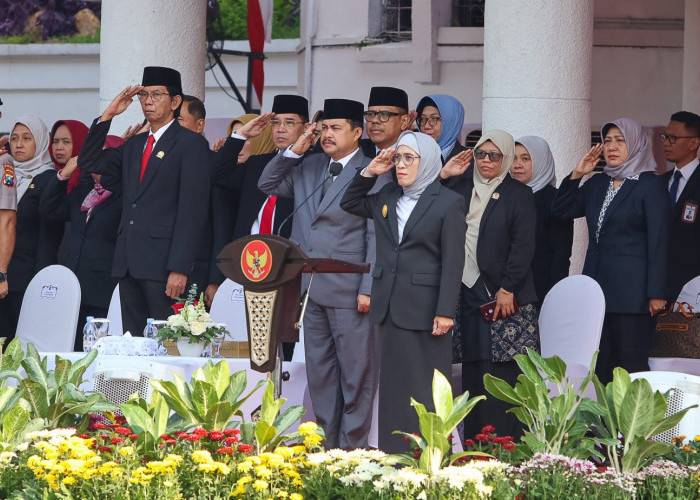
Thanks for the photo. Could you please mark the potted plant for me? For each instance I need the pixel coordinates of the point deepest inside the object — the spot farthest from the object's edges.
(191, 327)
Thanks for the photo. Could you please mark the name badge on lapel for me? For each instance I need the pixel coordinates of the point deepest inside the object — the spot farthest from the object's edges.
(160, 154)
(496, 195)
(690, 212)
(385, 211)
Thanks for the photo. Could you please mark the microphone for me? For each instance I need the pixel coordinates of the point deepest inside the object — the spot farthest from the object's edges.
(333, 171)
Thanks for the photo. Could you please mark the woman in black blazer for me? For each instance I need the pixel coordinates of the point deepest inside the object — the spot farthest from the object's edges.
(626, 210)
(37, 238)
(419, 227)
(94, 213)
(534, 166)
(500, 244)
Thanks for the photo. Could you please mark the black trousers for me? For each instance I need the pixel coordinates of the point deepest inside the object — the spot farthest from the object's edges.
(9, 315)
(140, 300)
(625, 342)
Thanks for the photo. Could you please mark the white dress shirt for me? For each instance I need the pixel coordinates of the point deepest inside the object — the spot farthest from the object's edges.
(686, 172)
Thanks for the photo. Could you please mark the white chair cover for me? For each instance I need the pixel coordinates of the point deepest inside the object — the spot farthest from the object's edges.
(114, 314)
(571, 321)
(228, 307)
(685, 392)
(49, 315)
(691, 294)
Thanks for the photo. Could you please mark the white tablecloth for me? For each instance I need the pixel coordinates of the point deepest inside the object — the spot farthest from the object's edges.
(295, 390)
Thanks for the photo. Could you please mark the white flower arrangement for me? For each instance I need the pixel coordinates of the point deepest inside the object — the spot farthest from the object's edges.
(191, 321)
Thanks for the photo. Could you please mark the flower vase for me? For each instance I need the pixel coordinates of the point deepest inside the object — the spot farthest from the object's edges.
(189, 350)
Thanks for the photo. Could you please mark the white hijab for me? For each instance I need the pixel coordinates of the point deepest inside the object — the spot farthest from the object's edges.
(481, 195)
(543, 171)
(25, 171)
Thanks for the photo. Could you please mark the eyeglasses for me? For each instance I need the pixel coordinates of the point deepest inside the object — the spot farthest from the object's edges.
(493, 155)
(155, 96)
(406, 158)
(673, 138)
(432, 120)
(383, 115)
(276, 122)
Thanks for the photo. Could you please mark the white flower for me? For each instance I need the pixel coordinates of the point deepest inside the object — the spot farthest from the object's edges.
(6, 457)
(197, 328)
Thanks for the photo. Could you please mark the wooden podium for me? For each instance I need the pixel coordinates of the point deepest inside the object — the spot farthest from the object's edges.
(269, 268)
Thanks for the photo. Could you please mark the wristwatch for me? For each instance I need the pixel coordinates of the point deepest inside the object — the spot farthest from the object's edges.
(3, 276)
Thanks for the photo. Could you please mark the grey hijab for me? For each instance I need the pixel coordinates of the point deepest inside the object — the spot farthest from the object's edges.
(543, 173)
(25, 171)
(430, 162)
(640, 157)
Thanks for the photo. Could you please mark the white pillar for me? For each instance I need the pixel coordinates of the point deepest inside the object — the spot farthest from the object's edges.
(537, 78)
(691, 57)
(138, 33)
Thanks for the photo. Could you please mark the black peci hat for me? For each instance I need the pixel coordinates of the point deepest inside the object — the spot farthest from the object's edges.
(160, 75)
(343, 108)
(388, 96)
(289, 103)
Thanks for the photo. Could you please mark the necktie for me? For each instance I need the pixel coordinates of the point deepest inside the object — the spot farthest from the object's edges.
(329, 180)
(673, 192)
(146, 155)
(267, 213)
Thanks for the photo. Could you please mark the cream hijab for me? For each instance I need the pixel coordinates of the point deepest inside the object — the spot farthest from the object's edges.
(25, 171)
(481, 194)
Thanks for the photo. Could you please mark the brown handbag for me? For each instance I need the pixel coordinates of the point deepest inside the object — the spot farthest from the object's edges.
(677, 333)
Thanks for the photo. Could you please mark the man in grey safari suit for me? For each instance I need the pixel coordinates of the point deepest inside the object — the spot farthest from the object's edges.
(341, 345)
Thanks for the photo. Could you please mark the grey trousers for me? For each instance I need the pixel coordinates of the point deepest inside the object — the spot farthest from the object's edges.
(342, 367)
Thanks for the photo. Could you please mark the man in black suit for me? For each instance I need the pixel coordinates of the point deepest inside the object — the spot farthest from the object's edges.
(387, 116)
(166, 195)
(681, 142)
(258, 212)
(223, 204)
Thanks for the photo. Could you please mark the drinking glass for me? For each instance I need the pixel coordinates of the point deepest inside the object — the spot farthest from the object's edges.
(101, 326)
(217, 342)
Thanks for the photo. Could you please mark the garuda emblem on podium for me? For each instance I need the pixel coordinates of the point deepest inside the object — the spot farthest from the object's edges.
(256, 260)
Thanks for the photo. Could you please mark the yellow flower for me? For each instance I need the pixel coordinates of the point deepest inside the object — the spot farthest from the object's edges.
(307, 428)
(296, 496)
(678, 439)
(68, 480)
(126, 451)
(240, 489)
(244, 467)
(697, 438)
(201, 457)
(312, 440)
(260, 485)
(686, 448)
(282, 494)
(168, 484)
(263, 472)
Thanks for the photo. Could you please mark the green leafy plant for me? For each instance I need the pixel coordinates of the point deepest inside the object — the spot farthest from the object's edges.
(53, 395)
(268, 433)
(553, 424)
(210, 400)
(632, 409)
(150, 420)
(436, 427)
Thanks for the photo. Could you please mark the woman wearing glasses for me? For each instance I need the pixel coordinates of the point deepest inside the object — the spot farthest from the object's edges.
(441, 117)
(419, 226)
(627, 211)
(500, 245)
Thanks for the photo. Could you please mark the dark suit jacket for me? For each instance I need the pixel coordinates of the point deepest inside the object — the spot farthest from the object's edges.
(37, 238)
(418, 278)
(91, 242)
(165, 213)
(506, 243)
(243, 179)
(684, 236)
(456, 149)
(553, 240)
(629, 259)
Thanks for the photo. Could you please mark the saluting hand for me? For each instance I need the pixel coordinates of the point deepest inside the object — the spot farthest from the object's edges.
(457, 165)
(381, 163)
(135, 129)
(305, 140)
(218, 144)
(121, 102)
(256, 126)
(588, 162)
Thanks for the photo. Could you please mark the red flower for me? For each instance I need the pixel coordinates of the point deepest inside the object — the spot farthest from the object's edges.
(165, 437)
(104, 436)
(105, 449)
(161, 445)
(488, 429)
(244, 448)
(226, 450)
(416, 456)
(231, 440)
(216, 435)
(120, 419)
(100, 425)
(509, 446)
(232, 432)
(469, 442)
(134, 437)
(171, 441)
(200, 432)
(117, 440)
(481, 437)
(83, 436)
(193, 437)
(177, 307)
(123, 430)
(182, 435)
